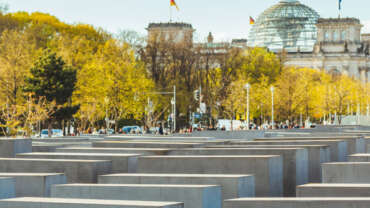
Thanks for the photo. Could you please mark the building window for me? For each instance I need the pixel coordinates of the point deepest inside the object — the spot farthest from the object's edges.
(335, 36)
(344, 35)
(326, 36)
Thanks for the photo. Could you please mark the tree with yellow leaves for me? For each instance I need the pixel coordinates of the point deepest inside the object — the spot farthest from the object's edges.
(113, 85)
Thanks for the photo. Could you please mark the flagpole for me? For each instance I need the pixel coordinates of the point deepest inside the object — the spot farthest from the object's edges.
(339, 8)
(170, 13)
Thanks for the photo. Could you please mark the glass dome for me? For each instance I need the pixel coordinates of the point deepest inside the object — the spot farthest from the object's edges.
(287, 25)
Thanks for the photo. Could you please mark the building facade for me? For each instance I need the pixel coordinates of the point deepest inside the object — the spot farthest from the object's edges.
(340, 48)
(334, 44)
(171, 31)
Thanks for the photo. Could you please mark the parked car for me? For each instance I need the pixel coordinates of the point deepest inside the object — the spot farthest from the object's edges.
(54, 133)
(103, 131)
(132, 130)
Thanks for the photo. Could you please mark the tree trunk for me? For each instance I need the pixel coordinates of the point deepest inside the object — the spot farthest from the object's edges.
(49, 128)
(63, 127)
(68, 127)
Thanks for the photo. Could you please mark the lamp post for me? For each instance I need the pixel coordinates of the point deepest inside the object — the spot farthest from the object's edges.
(106, 99)
(272, 107)
(247, 87)
(174, 109)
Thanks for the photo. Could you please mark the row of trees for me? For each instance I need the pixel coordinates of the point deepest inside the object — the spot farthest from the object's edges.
(52, 73)
(301, 93)
(55, 74)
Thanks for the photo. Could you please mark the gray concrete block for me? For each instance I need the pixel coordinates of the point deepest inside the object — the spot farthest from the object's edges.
(52, 146)
(317, 154)
(333, 190)
(141, 151)
(233, 186)
(338, 148)
(349, 172)
(35, 184)
(156, 137)
(295, 161)
(30, 202)
(359, 158)
(45, 147)
(297, 203)
(77, 171)
(7, 188)
(62, 140)
(172, 140)
(356, 144)
(121, 163)
(137, 144)
(201, 196)
(267, 169)
(9, 147)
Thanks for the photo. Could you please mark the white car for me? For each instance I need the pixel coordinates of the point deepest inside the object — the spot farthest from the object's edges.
(54, 133)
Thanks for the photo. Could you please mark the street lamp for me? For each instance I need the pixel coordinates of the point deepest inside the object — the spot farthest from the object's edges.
(272, 106)
(106, 99)
(248, 86)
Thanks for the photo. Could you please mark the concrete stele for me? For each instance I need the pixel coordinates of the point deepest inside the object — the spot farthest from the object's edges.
(121, 163)
(267, 169)
(7, 187)
(233, 186)
(35, 184)
(295, 165)
(31, 202)
(77, 171)
(201, 196)
(349, 172)
(333, 190)
(297, 202)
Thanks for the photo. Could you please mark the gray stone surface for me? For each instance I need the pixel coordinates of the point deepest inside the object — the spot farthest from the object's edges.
(31, 202)
(62, 140)
(356, 144)
(35, 184)
(350, 172)
(298, 203)
(52, 146)
(267, 169)
(7, 187)
(121, 163)
(45, 147)
(295, 161)
(338, 148)
(138, 144)
(317, 154)
(77, 171)
(334, 190)
(233, 186)
(156, 137)
(229, 134)
(141, 151)
(9, 147)
(173, 140)
(201, 196)
(359, 158)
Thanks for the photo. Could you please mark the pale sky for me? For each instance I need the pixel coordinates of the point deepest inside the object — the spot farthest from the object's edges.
(226, 19)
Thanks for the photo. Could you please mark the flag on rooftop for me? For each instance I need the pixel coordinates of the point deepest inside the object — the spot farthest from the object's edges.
(173, 3)
(251, 21)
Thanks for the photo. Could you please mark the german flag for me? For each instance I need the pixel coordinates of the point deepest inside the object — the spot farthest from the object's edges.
(173, 3)
(251, 21)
